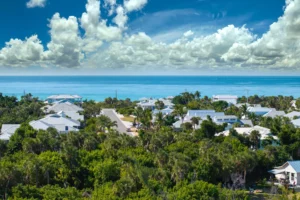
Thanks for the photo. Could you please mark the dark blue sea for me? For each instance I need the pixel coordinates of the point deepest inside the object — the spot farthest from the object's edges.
(136, 87)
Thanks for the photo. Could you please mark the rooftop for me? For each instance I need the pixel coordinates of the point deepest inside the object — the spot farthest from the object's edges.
(225, 96)
(64, 96)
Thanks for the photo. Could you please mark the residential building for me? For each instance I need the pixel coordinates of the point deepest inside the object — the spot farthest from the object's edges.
(166, 111)
(274, 113)
(7, 130)
(260, 111)
(296, 123)
(293, 115)
(230, 99)
(59, 121)
(69, 109)
(64, 97)
(289, 171)
(150, 103)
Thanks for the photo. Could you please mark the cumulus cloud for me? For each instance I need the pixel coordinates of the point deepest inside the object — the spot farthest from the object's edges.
(36, 3)
(133, 5)
(93, 39)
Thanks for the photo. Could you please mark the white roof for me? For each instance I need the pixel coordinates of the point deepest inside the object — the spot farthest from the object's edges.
(226, 117)
(64, 96)
(296, 122)
(73, 115)
(225, 96)
(58, 121)
(151, 102)
(274, 113)
(260, 109)
(293, 114)
(264, 132)
(8, 130)
(63, 106)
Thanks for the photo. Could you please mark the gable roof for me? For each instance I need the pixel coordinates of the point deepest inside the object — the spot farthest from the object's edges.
(274, 113)
(296, 122)
(63, 106)
(293, 114)
(64, 96)
(296, 165)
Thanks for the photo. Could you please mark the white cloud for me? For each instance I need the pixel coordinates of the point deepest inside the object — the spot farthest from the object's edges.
(92, 39)
(121, 18)
(133, 5)
(188, 33)
(20, 53)
(36, 3)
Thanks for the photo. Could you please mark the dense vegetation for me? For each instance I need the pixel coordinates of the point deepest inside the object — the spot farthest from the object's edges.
(159, 164)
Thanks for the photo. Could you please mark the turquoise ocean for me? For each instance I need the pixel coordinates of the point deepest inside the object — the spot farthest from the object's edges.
(135, 87)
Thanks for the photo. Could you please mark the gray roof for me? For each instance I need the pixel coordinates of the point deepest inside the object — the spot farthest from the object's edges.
(203, 113)
(63, 106)
(247, 122)
(296, 122)
(8, 130)
(296, 165)
(274, 113)
(225, 96)
(166, 111)
(293, 114)
(57, 121)
(259, 109)
(64, 96)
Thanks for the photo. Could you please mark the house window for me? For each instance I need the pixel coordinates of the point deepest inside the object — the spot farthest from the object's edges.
(292, 176)
(288, 175)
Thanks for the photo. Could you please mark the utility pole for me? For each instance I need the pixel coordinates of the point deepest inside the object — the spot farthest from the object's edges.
(247, 95)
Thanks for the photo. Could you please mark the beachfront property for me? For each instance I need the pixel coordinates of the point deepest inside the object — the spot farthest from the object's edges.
(265, 133)
(293, 115)
(149, 103)
(7, 130)
(64, 97)
(289, 173)
(59, 121)
(230, 99)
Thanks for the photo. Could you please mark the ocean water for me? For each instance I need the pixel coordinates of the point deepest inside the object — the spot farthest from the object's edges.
(135, 87)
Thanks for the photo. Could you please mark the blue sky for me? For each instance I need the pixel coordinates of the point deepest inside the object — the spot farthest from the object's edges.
(153, 35)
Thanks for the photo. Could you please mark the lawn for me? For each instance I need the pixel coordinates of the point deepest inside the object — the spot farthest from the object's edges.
(128, 119)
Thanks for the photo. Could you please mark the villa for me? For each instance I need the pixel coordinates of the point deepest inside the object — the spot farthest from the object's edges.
(166, 111)
(59, 121)
(289, 171)
(64, 97)
(227, 98)
(150, 103)
(8, 130)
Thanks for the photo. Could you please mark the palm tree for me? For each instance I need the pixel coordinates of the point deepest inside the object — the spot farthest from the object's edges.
(197, 94)
(244, 109)
(195, 121)
(159, 120)
(180, 111)
(255, 138)
(103, 122)
(138, 112)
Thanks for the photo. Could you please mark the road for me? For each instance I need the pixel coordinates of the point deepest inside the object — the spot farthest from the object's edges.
(113, 116)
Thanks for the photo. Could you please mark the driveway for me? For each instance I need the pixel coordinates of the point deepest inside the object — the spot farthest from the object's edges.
(114, 117)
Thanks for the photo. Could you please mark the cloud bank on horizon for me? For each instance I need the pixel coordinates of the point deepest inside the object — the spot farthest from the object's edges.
(90, 41)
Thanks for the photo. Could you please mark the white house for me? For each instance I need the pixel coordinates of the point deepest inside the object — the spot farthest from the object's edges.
(59, 121)
(230, 99)
(69, 109)
(8, 130)
(289, 171)
(64, 97)
(166, 111)
(245, 131)
(150, 103)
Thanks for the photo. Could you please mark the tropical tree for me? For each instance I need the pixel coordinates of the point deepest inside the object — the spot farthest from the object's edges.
(180, 111)
(159, 120)
(159, 105)
(195, 121)
(255, 138)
